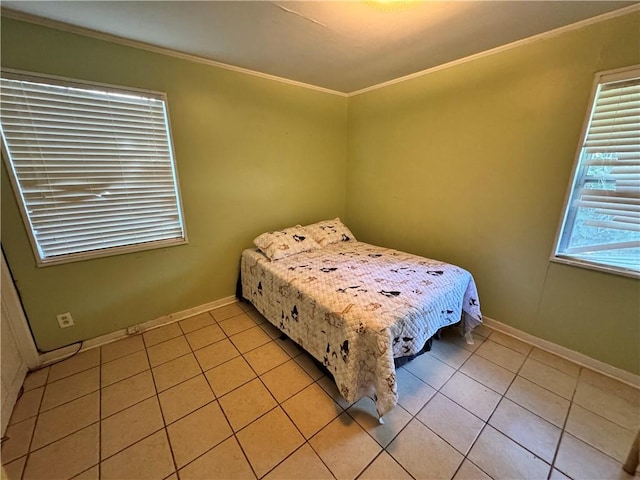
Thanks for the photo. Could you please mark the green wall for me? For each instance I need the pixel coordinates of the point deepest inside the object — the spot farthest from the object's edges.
(252, 155)
(470, 165)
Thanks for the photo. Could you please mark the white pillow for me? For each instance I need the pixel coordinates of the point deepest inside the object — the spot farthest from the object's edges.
(284, 243)
(329, 232)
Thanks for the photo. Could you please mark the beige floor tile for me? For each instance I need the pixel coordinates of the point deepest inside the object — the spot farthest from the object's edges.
(35, 379)
(303, 464)
(77, 363)
(270, 330)
(430, 370)
(18, 436)
(66, 457)
(579, 460)
(257, 316)
(329, 386)
(488, 373)
(410, 450)
(237, 324)
(501, 457)
(511, 342)
(269, 440)
(196, 322)
(345, 447)
(452, 422)
(166, 351)
(198, 432)
(228, 311)
(224, 462)
(501, 355)
(135, 462)
(556, 362)
(173, 476)
(91, 474)
(289, 346)
(364, 412)
(250, 339)
(549, 378)
(127, 427)
(246, 403)
(311, 410)
(216, 354)
(27, 405)
(483, 331)
(453, 335)
(307, 362)
(529, 430)
(620, 410)
(474, 396)
(175, 371)
(205, 336)
(557, 475)
(161, 334)
(184, 398)
(266, 357)
(384, 467)
(229, 375)
(449, 353)
(610, 385)
(59, 422)
(13, 470)
(286, 380)
(469, 471)
(124, 367)
(122, 348)
(70, 388)
(599, 432)
(540, 401)
(413, 393)
(125, 393)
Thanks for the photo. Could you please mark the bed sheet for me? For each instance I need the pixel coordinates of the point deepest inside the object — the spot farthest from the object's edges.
(356, 306)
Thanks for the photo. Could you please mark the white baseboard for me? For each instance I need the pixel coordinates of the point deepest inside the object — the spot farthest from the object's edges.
(65, 352)
(566, 353)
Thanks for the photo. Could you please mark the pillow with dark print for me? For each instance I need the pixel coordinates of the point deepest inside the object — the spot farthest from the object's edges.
(329, 232)
(284, 243)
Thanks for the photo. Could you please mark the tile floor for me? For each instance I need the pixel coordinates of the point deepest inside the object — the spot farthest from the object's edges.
(220, 395)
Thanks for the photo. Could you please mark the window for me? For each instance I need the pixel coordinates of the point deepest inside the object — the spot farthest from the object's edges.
(601, 224)
(91, 165)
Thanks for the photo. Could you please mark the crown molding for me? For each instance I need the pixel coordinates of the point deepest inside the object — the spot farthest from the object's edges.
(503, 48)
(87, 32)
(25, 17)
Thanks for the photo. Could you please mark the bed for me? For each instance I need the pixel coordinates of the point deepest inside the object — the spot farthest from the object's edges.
(354, 306)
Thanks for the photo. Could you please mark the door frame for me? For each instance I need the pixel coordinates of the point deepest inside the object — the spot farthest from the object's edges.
(12, 308)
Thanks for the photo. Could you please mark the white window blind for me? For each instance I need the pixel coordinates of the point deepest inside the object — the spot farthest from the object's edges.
(92, 166)
(602, 217)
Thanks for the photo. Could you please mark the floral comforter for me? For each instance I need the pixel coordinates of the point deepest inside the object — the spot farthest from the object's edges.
(356, 306)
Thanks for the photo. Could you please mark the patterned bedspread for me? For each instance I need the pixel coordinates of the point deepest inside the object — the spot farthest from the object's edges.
(355, 307)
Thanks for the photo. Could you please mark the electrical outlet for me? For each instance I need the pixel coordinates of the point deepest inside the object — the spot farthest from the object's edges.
(65, 320)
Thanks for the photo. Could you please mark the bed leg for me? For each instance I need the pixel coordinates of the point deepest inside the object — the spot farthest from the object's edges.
(380, 421)
(469, 338)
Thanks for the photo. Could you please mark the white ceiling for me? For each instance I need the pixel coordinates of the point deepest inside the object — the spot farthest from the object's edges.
(342, 46)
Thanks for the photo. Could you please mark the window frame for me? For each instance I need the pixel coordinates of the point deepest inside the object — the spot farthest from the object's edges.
(603, 77)
(94, 253)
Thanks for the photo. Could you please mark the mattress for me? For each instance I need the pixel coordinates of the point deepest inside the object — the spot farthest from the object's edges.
(355, 306)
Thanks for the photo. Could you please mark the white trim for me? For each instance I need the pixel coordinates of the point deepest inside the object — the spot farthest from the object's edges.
(502, 48)
(17, 320)
(87, 32)
(26, 17)
(566, 353)
(65, 352)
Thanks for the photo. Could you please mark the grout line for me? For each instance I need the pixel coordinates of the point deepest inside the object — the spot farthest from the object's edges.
(315, 381)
